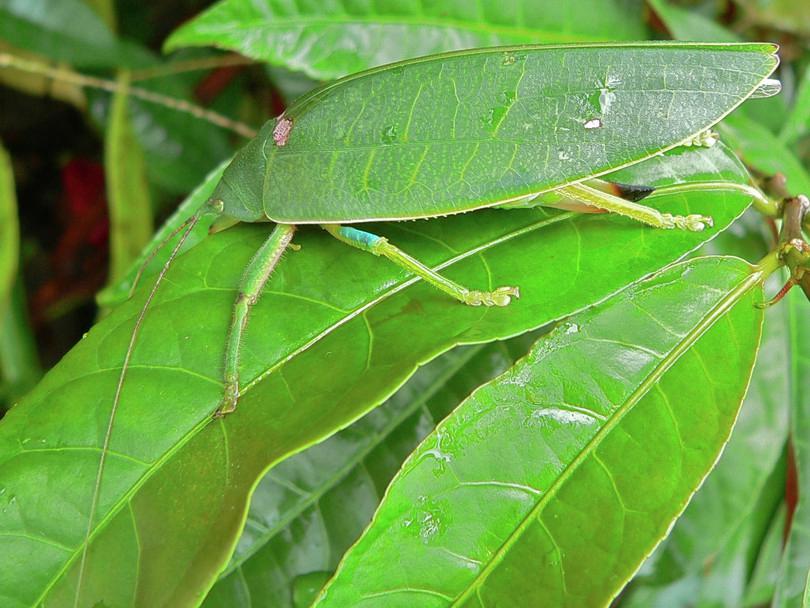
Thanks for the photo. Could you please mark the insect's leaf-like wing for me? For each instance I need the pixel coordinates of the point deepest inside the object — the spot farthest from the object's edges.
(451, 133)
(304, 38)
(335, 332)
(555, 480)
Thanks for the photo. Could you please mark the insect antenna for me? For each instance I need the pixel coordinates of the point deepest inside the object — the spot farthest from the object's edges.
(148, 259)
(189, 226)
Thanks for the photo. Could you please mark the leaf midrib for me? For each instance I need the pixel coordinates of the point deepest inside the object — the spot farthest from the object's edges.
(707, 322)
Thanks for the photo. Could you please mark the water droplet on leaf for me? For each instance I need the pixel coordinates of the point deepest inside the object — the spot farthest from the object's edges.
(593, 123)
(768, 88)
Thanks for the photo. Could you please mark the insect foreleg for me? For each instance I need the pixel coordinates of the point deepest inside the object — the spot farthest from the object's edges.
(640, 213)
(256, 275)
(377, 245)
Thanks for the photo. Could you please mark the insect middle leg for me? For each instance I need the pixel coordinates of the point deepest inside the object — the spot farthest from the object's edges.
(256, 275)
(378, 245)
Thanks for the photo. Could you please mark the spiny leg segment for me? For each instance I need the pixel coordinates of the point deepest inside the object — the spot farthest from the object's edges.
(366, 241)
(256, 275)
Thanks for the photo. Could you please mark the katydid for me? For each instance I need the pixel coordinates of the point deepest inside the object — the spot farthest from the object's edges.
(458, 132)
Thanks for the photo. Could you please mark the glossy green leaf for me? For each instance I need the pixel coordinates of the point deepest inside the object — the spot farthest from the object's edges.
(707, 540)
(309, 509)
(796, 559)
(686, 24)
(551, 484)
(451, 133)
(127, 189)
(9, 231)
(318, 354)
(66, 30)
(337, 37)
(763, 151)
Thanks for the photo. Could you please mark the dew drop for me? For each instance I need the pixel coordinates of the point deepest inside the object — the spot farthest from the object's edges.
(768, 88)
(389, 134)
(509, 58)
(593, 123)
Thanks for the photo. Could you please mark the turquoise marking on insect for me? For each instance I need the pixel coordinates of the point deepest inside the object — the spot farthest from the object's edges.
(364, 239)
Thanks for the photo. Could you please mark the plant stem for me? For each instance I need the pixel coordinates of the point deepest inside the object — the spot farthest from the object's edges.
(65, 75)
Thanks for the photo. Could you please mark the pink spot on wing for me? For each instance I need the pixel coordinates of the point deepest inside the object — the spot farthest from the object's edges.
(282, 131)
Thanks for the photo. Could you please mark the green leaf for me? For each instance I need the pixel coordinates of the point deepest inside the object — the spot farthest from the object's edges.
(764, 577)
(176, 484)
(797, 122)
(9, 231)
(127, 189)
(685, 24)
(763, 151)
(451, 133)
(724, 576)
(120, 290)
(320, 39)
(20, 368)
(796, 558)
(558, 478)
(179, 148)
(724, 511)
(66, 30)
(309, 509)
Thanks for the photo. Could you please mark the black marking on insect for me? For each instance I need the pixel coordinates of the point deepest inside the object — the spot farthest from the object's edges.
(282, 131)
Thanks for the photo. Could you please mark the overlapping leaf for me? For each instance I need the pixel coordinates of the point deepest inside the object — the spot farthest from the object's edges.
(710, 546)
(550, 484)
(335, 332)
(308, 510)
(331, 39)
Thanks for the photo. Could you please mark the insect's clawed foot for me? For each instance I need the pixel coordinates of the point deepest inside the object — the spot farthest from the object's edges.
(229, 400)
(501, 296)
(693, 223)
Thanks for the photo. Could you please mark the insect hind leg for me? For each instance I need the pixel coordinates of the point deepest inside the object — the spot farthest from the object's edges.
(377, 245)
